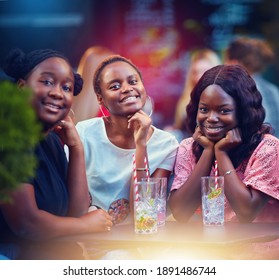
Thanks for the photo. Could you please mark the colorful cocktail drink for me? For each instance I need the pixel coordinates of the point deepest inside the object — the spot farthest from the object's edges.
(161, 201)
(212, 189)
(145, 211)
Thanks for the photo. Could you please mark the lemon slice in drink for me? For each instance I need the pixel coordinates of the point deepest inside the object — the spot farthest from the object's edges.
(214, 193)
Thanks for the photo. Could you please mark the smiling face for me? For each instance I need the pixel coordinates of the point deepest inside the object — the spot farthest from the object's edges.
(123, 92)
(216, 113)
(52, 84)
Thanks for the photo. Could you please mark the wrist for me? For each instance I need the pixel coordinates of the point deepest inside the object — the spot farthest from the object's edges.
(76, 147)
(229, 172)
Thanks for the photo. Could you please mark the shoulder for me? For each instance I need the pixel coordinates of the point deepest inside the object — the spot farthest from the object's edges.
(270, 140)
(268, 146)
(185, 146)
(83, 126)
(53, 140)
(163, 136)
(187, 142)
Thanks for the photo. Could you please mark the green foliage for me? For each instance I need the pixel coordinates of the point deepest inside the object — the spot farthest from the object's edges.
(19, 133)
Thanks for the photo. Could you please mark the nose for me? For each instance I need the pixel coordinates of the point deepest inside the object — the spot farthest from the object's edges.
(212, 116)
(56, 92)
(126, 88)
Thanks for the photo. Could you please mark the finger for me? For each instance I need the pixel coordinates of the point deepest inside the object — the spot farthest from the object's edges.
(109, 226)
(62, 123)
(109, 218)
(59, 125)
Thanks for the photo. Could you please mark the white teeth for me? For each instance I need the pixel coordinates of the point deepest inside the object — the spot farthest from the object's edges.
(129, 98)
(214, 128)
(53, 106)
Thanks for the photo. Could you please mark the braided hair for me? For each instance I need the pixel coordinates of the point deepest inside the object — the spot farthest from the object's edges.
(18, 65)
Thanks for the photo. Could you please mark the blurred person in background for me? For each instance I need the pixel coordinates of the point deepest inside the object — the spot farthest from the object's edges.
(200, 61)
(85, 105)
(255, 55)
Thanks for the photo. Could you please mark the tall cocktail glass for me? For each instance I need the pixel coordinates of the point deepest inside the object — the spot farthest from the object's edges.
(161, 201)
(145, 211)
(212, 190)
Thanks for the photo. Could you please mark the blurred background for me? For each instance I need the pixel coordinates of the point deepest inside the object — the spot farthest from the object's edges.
(157, 35)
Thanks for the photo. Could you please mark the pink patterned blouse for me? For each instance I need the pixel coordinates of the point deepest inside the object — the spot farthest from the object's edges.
(260, 172)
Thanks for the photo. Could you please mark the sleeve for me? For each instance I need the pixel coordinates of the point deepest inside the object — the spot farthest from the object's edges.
(171, 151)
(262, 171)
(184, 165)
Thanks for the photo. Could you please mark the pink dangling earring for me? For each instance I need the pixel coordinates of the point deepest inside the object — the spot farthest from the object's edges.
(103, 114)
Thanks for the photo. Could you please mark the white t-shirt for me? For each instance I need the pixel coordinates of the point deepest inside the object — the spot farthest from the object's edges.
(109, 168)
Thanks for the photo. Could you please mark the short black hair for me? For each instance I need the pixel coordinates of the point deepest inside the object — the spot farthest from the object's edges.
(108, 60)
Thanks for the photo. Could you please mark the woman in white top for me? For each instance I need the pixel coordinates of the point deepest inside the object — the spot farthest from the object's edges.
(110, 142)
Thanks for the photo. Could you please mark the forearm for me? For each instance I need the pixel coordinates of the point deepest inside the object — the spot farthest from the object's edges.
(245, 201)
(184, 201)
(41, 225)
(77, 182)
(85, 105)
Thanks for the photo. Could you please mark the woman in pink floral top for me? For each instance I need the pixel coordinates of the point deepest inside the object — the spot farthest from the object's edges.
(226, 118)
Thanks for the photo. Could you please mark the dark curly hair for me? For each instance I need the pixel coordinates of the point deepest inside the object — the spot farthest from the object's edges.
(18, 65)
(237, 83)
(109, 60)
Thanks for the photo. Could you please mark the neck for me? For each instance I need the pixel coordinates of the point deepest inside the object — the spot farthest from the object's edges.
(117, 125)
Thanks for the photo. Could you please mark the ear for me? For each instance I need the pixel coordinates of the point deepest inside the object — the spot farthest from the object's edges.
(21, 83)
(100, 99)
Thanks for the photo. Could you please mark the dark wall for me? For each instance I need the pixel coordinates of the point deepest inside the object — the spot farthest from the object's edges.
(156, 34)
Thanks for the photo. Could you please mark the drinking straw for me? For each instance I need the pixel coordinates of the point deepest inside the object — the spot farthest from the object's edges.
(146, 169)
(216, 173)
(135, 179)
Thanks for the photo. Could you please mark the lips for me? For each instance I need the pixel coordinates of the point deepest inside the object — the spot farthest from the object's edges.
(213, 129)
(54, 106)
(128, 99)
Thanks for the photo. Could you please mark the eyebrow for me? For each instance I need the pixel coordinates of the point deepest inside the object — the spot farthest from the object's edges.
(134, 75)
(118, 80)
(68, 79)
(114, 81)
(223, 105)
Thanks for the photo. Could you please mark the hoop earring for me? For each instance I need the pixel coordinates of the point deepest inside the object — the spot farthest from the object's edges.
(72, 111)
(151, 105)
(72, 114)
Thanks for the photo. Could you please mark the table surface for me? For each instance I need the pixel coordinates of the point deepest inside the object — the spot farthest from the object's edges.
(230, 241)
(190, 233)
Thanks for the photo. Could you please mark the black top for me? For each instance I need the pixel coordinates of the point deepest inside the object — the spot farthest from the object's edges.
(50, 184)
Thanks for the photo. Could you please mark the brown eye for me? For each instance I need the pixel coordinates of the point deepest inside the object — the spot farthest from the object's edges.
(47, 82)
(67, 88)
(133, 82)
(114, 87)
